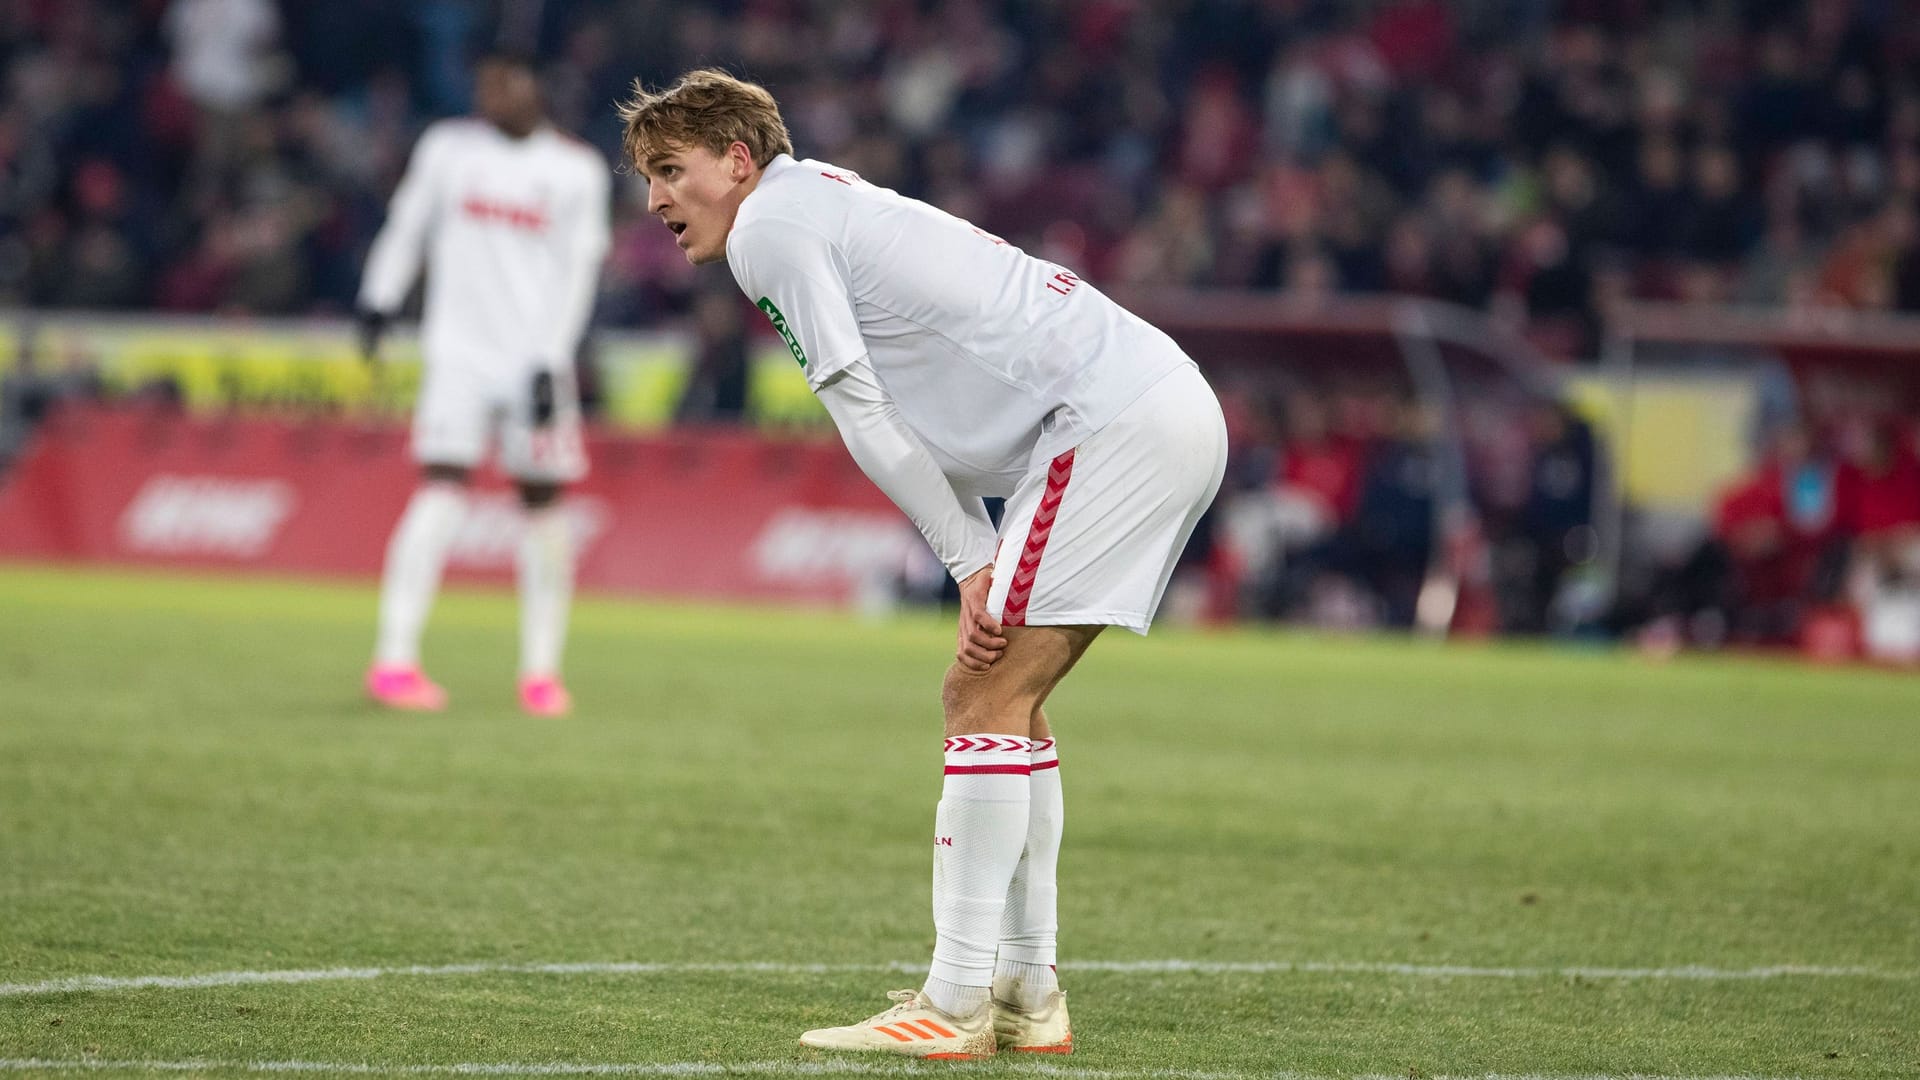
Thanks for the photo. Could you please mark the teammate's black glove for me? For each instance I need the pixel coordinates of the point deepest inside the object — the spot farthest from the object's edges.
(542, 398)
(372, 327)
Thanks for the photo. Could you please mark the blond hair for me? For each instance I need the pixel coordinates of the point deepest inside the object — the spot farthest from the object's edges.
(707, 108)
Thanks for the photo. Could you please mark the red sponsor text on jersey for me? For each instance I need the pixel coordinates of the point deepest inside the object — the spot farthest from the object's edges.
(481, 208)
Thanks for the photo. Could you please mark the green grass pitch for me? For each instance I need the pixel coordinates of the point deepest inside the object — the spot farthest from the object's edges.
(1379, 857)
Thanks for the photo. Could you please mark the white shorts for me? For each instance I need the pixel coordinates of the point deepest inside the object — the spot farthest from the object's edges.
(1091, 537)
(463, 407)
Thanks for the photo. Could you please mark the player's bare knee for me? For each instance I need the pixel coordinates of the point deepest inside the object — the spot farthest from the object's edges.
(985, 701)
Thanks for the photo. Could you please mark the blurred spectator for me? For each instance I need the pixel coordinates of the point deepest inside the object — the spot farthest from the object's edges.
(1556, 522)
(1389, 544)
(1878, 498)
(1775, 526)
(717, 385)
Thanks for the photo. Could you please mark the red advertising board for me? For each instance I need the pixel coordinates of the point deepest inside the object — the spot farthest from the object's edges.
(728, 514)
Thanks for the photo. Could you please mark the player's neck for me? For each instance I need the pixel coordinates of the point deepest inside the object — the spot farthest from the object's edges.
(751, 183)
(519, 129)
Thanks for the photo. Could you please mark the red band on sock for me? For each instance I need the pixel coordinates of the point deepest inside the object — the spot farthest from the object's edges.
(1003, 770)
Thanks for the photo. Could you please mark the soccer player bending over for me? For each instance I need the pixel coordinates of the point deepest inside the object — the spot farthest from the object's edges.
(511, 216)
(956, 366)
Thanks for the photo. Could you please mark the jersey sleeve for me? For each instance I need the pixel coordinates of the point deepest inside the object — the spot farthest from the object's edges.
(796, 276)
(584, 237)
(394, 260)
(885, 447)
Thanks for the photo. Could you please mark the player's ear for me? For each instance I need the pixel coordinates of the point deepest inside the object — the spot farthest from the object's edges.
(739, 161)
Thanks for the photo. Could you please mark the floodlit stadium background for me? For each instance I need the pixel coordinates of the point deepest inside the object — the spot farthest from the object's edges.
(1530, 318)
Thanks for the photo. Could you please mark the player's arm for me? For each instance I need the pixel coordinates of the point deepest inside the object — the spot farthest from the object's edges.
(893, 457)
(957, 528)
(394, 261)
(801, 282)
(584, 237)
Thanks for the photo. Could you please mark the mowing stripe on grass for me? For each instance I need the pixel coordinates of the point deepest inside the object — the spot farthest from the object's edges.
(74, 983)
(757, 1068)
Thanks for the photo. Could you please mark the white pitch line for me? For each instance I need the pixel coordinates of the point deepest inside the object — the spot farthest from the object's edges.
(754, 1068)
(76, 983)
(1448, 971)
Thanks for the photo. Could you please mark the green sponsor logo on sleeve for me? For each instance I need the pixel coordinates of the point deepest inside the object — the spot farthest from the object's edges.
(786, 334)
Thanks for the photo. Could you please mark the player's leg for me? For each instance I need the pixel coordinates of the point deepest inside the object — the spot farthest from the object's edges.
(1097, 544)
(982, 823)
(542, 447)
(1030, 1010)
(409, 581)
(979, 833)
(545, 570)
(449, 436)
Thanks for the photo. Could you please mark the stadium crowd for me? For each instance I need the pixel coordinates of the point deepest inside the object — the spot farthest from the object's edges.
(1534, 158)
(1538, 160)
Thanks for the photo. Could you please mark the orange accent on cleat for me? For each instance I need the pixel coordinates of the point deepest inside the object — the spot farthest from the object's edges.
(938, 1031)
(542, 695)
(404, 687)
(912, 1028)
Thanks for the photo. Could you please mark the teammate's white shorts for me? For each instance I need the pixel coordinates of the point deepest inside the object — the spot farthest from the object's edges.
(464, 407)
(1091, 537)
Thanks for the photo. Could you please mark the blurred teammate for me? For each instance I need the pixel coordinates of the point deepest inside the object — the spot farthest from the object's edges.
(511, 218)
(955, 367)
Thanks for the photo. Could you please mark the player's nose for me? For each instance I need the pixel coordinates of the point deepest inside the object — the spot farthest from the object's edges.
(657, 201)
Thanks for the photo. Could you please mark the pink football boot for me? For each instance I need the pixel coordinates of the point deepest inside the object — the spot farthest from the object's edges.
(406, 687)
(542, 695)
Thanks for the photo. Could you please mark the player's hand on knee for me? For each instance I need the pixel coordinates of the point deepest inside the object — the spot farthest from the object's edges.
(981, 642)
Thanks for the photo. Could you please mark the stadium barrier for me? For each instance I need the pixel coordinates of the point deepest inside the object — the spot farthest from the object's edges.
(1675, 397)
(215, 365)
(725, 514)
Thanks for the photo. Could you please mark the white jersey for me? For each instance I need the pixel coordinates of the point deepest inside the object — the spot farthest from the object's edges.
(988, 353)
(513, 232)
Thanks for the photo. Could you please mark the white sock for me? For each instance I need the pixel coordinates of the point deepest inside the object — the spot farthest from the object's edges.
(953, 998)
(546, 588)
(416, 555)
(979, 832)
(1030, 926)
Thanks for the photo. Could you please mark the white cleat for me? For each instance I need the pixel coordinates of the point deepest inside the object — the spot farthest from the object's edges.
(913, 1028)
(1042, 1031)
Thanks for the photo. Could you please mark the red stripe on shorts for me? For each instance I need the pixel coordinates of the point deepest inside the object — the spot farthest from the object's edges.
(1015, 611)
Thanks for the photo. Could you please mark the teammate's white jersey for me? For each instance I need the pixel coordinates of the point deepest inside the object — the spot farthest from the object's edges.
(513, 231)
(979, 345)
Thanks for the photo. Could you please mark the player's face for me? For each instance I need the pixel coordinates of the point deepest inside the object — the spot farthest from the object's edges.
(507, 95)
(697, 192)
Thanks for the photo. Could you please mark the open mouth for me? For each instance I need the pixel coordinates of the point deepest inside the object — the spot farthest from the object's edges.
(678, 227)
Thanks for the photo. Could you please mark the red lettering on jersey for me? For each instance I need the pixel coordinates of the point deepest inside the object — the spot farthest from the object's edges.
(1067, 282)
(978, 231)
(481, 208)
(842, 179)
(943, 841)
